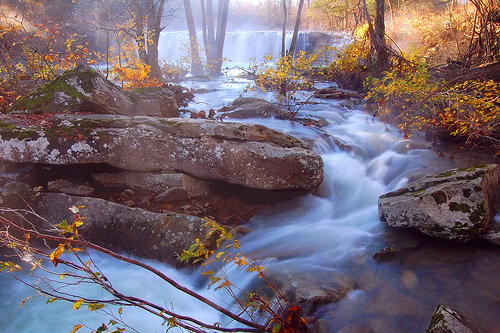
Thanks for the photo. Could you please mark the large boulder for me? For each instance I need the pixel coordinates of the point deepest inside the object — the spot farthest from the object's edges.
(85, 89)
(153, 101)
(160, 236)
(242, 154)
(457, 204)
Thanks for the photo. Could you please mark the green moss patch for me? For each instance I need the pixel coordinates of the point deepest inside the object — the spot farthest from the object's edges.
(458, 207)
(72, 87)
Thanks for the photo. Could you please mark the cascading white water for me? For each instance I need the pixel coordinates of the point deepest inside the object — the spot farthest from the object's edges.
(327, 236)
(239, 46)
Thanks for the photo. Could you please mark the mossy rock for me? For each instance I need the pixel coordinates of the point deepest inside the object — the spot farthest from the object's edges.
(457, 204)
(79, 89)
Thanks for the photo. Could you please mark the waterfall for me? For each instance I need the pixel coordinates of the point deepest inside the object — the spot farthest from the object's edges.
(239, 46)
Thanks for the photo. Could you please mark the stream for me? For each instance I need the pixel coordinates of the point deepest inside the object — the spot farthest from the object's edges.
(326, 238)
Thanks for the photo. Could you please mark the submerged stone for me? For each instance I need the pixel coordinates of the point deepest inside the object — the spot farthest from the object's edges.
(386, 253)
(249, 107)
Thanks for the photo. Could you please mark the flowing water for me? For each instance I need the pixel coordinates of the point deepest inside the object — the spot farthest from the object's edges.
(325, 240)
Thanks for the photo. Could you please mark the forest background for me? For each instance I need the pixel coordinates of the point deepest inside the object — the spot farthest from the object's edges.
(428, 66)
(426, 43)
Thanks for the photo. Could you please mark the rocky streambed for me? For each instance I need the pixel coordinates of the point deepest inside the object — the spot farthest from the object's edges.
(148, 182)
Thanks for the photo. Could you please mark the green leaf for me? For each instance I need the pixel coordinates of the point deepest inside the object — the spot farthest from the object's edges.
(95, 306)
(52, 300)
(11, 267)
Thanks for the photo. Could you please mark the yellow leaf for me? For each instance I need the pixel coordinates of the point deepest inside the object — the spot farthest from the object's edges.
(78, 304)
(223, 285)
(77, 327)
(24, 301)
(210, 272)
(220, 254)
(95, 306)
(36, 265)
(57, 253)
(52, 300)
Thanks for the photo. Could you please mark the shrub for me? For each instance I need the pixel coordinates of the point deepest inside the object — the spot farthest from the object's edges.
(135, 74)
(407, 95)
(349, 65)
(287, 78)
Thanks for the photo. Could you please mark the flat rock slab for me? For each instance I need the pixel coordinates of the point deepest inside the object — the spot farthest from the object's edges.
(457, 204)
(243, 154)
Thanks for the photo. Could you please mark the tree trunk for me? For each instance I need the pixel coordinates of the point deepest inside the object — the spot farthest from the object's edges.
(377, 36)
(208, 33)
(380, 45)
(147, 35)
(221, 29)
(196, 66)
(283, 33)
(221, 36)
(380, 19)
(153, 34)
(204, 23)
(296, 29)
(210, 23)
(140, 32)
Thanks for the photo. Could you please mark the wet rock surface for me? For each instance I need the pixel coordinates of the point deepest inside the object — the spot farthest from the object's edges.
(492, 234)
(446, 320)
(228, 204)
(160, 236)
(386, 253)
(310, 290)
